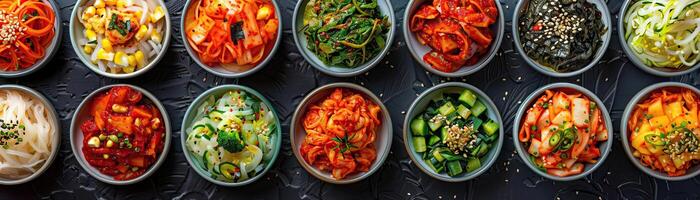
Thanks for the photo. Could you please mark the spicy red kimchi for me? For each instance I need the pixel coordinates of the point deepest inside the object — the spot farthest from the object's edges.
(124, 135)
(457, 31)
(340, 133)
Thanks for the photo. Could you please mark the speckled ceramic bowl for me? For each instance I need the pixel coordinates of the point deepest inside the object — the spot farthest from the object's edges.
(188, 119)
(605, 147)
(382, 141)
(338, 71)
(49, 52)
(606, 18)
(76, 31)
(665, 72)
(56, 134)
(418, 50)
(218, 70)
(639, 97)
(82, 114)
(419, 106)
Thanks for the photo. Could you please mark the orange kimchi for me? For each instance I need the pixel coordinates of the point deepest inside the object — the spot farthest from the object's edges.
(26, 30)
(561, 132)
(663, 130)
(457, 31)
(340, 133)
(236, 35)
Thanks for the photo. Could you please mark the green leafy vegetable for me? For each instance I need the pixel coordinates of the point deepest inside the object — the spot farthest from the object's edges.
(345, 33)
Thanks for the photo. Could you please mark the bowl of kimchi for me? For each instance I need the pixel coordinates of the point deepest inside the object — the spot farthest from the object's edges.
(453, 38)
(660, 131)
(352, 122)
(231, 39)
(563, 132)
(120, 134)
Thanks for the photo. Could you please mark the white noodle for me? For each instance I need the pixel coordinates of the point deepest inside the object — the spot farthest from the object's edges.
(21, 159)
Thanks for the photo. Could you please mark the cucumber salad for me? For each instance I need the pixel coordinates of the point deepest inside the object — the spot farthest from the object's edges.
(454, 133)
(232, 136)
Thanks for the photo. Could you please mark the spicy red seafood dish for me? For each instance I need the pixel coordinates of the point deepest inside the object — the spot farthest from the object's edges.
(124, 136)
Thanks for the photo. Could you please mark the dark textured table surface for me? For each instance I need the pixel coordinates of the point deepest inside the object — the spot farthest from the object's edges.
(176, 81)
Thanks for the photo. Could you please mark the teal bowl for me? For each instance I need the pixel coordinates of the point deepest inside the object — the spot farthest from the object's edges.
(421, 103)
(188, 119)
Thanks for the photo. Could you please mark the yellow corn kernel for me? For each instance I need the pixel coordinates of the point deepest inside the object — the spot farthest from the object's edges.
(110, 143)
(90, 35)
(105, 156)
(120, 58)
(104, 55)
(100, 11)
(140, 59)
(156, 37)
(89, 12)
(99, 4)
(106, 44)
(132, 60)
(111, 2)
(137, 14)
(263, 13)
(142, 32)
(157, 14)
(124, 3)
(88, 49)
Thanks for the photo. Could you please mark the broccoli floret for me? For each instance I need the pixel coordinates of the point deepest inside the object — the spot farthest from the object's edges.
(231, 141)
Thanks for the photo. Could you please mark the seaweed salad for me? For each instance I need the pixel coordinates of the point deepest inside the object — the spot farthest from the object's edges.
(562, 35)
(345, 33)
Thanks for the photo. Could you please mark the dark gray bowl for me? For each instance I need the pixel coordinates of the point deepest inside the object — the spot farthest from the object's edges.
(56, 139)
(605, 147)
(191, 113)
(606, 18)
(76, 31)
(418, 50)
(633, 56)
(641, 96)
(219, 71)
(300, 41)
(419, 105)
(76, 135)
(382, 141)
(50, 50)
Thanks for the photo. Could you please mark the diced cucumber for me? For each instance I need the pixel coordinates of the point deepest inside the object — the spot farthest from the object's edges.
(478, 108)
(438, 156)
(481, 150)
(439, 167)
(454, 168)
(444, 132)
(473, 164)
(476, 122)
(419, 144)
(446, 109)
(434, 139)
(430, 164)
(492, 138)
(463, 111)
(491, 127)
(434, 126)
(227, 169)
(467, 97)
(418, 126)
(450, 156)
